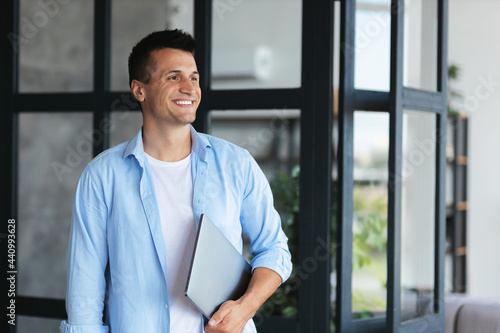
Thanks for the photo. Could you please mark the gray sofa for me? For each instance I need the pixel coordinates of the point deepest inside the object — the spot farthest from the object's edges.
(465, 314)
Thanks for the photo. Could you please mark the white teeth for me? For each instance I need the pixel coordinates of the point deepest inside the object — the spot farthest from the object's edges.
(184, 102)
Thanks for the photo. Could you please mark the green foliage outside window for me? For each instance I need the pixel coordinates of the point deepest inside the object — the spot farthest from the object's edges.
(369, 236)
(454, 97)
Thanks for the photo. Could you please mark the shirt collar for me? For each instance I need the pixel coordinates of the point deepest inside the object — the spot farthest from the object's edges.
(200, 144)
(136, 146)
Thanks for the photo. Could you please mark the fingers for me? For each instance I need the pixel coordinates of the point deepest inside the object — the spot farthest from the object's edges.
(228, 319)
(219, 315)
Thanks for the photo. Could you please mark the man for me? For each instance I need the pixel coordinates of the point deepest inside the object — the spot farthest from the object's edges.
(137, 206)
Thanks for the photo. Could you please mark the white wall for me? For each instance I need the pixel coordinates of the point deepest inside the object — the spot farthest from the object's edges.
(474, 45)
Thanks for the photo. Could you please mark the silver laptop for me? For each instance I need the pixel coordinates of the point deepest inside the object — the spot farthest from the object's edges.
(218, 271)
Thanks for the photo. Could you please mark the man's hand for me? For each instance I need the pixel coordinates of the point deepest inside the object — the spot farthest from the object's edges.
(232, 316)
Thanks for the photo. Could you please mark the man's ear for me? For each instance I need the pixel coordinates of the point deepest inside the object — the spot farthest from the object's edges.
(137, 90)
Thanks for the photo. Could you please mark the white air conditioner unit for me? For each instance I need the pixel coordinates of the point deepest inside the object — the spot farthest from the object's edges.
(242, 63)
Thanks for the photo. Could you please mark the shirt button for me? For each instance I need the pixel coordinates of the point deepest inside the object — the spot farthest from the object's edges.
(166, 306)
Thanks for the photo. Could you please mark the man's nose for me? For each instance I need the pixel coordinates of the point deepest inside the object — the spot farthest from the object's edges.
(188, 86)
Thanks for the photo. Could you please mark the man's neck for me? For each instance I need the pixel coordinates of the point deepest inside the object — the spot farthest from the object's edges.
(167, 144)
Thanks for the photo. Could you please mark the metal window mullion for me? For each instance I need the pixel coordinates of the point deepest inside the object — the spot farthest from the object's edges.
(315, 165)
(41, 307)
(9, 26)
(253, 99)
(344, 240)
(395, 169)
(53, 102)
(203, 56)
(343, 310)
(370, 325)
(426, 101)
(9, 131)
(8, 141)
(441, 163)
(102, 55)
(462, 273)
(368, 100)
(455, 232)
(442, 46)
(440, 217)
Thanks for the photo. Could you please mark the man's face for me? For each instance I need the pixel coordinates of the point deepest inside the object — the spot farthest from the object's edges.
(173, 93)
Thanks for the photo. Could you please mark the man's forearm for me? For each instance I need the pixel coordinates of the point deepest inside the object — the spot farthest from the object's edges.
(263, 284)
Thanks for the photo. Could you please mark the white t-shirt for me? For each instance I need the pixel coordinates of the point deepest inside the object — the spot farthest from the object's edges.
(174, 191)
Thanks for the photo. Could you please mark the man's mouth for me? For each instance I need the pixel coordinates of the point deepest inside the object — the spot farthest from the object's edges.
(184, 102)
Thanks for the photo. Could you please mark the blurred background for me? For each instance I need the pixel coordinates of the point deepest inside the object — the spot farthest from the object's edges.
(257, 44)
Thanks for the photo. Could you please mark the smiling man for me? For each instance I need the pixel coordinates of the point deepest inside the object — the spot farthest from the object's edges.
(137, 206)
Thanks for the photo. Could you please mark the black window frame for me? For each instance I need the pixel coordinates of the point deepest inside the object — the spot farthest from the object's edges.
(394, 102)
(314, 98)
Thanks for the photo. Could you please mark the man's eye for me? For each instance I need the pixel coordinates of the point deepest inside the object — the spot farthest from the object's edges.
(174, 77)
(194, 78)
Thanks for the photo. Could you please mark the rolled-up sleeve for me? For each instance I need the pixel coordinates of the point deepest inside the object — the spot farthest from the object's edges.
(87, 260)
(67, 328)
(262, 224)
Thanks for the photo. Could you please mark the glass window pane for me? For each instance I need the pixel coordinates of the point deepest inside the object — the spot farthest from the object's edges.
(256, 44)
(369, 276)
(273, 139)
(420, 44)
(372, 45)
(418, 214)
(133, 20)
(55, 46)
(54, 148)
(124, 126)
(271, 136)
(27, 324)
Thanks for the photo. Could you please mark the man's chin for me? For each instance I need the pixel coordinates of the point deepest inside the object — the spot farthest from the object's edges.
(187, 120)
(190, 120)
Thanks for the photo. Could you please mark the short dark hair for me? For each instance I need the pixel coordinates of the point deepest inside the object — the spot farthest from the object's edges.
(139, 60)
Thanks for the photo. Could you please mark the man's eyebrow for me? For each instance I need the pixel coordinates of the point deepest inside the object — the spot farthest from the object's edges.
(170, 72)
(177, 71)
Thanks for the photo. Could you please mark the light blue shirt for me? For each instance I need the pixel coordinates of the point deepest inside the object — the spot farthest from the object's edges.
(117, 252)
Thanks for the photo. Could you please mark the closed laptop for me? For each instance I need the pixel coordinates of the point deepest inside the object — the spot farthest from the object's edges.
(218, 272)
